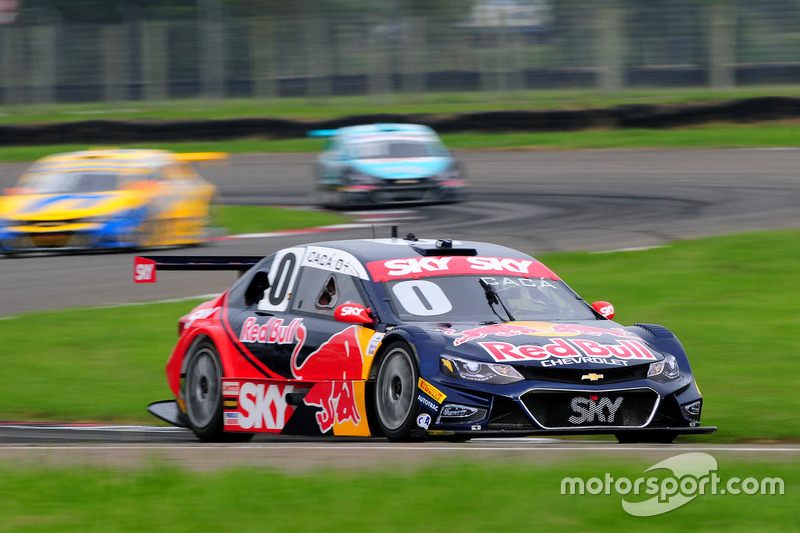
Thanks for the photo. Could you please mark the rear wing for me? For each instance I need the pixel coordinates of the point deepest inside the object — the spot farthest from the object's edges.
(321, 133)
(144, 267)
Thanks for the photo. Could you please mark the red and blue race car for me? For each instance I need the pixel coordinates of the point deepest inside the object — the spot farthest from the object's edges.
(407, 337)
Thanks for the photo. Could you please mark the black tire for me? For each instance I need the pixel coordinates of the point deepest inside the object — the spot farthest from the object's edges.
(653, 436)
(396, 391)
(202, 393)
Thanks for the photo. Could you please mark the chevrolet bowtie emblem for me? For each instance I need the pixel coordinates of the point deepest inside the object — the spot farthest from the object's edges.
(592, 377)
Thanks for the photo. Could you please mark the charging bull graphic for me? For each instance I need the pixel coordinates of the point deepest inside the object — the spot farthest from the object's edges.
(335, 394)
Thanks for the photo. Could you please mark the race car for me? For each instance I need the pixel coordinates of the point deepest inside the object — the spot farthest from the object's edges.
(386, 164)
(105, 199)
(407, 338)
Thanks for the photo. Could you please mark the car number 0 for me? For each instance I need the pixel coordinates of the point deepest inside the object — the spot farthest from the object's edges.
(282, 278)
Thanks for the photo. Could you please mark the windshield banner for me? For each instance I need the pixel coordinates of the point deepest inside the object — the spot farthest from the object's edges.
(420, 267)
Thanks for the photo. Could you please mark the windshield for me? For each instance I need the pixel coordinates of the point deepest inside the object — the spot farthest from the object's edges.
(465, 299)
(395, 149)
(69, 182)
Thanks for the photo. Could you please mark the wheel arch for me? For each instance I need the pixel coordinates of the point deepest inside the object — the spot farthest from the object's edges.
(664, 340)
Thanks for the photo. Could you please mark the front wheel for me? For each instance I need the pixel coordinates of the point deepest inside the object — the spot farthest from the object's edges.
(203, 395)
(395, 391)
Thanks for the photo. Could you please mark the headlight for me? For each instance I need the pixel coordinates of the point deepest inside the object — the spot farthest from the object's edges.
(666, 370)
(477, 371)
(452, 172)
(359, 178)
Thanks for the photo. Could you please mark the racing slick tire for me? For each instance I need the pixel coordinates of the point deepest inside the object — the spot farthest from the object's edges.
(395, 391)
(652, 436)
(203, 395)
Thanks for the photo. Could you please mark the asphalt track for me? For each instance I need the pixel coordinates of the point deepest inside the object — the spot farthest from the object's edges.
(537, 201)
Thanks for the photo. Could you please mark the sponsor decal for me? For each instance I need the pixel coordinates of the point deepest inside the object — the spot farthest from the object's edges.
(583, 360)
(426, 402)
(144, 270)
(334, 261)
(338, 358)
(374, 343)
(353, 313)
(263, 405)
(586, 409)
(626, 349)
(230, 388)
(230, 404)
(201, 314)
(424, 421)
(231, 419)
(273, 331)
(415, 267)
(431, 391)
(536, 329)
(338, 402)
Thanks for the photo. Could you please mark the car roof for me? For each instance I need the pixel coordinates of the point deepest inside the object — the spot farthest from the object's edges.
(367, 250)
(387, 128)
(123, 158)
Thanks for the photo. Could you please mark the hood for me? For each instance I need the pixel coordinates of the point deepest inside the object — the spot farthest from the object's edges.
(584, 345)
(38, 207)
(402, 169)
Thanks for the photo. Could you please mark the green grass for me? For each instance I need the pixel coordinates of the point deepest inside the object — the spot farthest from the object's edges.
(236, 219)
(332, 107)
(731, 300)
(783, 134)
(447, 495)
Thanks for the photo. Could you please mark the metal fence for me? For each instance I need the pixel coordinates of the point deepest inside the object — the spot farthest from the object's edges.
(607, 45)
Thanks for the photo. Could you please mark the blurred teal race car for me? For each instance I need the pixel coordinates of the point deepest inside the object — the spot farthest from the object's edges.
(379, 164)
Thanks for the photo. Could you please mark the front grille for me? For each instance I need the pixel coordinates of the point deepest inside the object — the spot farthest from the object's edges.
(566, 374)
(407, 193)
(51, 239)
(582, 409)
(507, 415)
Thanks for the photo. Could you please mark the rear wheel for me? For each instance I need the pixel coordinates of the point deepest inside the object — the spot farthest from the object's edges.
(395, 389)
(203, 395)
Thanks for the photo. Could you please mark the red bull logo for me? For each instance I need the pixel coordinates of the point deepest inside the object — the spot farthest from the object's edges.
(538, 329)
(338, 361)
(338, 402)
(504, 352)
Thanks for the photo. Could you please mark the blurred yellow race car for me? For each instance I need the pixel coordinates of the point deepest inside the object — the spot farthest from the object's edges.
(106, 199)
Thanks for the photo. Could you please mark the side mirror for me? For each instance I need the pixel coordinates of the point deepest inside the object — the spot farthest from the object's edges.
(353, 314)
(604, 308)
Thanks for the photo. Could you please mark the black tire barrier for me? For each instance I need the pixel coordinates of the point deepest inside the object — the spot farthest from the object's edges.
(106, 132)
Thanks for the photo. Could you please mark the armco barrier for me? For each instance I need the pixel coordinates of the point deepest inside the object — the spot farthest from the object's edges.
(625, 116)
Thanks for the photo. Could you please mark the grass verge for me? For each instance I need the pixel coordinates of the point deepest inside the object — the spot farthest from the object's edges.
(333, 107)
(236, 219)
(772, 134)
(731, 300)
(443, 496)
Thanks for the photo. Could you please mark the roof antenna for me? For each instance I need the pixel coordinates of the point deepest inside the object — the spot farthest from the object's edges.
(394, 232)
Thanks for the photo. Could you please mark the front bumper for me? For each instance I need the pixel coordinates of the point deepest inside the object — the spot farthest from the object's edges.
(420, 191)
(535, 408)
(73, 237)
